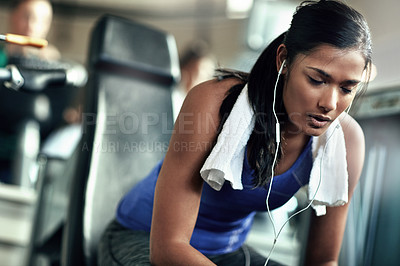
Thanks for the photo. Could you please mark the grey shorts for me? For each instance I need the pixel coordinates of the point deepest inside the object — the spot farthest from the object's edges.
(122, 246)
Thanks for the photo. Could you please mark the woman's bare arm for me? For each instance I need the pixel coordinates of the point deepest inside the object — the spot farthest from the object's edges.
(179, 186)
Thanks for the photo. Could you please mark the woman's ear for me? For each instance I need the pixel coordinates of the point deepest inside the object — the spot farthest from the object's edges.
(281, 55)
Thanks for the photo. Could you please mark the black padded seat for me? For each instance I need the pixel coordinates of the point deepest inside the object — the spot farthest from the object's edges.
(127, 123)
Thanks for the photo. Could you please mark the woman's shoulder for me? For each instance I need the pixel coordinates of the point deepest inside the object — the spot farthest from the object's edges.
(355, 148)
(199, 114)
(351, 129)
(209, 95)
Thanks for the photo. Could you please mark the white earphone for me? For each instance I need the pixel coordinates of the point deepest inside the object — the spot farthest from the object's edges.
(282, 67)
(277, 125)
(278, 140)
(277, 128)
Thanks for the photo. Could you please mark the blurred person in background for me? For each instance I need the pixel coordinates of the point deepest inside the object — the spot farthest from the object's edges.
(31, 18)
(34, 18)
(197, 65)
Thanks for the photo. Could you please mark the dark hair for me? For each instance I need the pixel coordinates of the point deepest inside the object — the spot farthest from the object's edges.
(314, 23)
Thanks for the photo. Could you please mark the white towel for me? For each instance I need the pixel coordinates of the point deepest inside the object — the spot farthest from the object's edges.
(329, 167)
(225, 161)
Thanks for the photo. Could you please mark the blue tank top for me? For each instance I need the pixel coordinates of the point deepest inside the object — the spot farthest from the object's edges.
(225, 217)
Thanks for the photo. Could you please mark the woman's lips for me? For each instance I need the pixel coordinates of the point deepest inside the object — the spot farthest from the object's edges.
(318, 121)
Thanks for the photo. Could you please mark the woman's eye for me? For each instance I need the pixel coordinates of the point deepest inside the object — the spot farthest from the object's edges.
(316, 82)
(347, 91)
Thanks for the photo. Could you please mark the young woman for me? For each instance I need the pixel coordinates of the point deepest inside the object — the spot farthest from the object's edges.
(323, 59)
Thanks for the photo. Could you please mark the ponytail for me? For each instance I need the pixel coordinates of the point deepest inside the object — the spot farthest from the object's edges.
(261, 83)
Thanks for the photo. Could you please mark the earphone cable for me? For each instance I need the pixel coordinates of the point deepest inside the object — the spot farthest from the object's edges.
(276, 235)
(277, 139)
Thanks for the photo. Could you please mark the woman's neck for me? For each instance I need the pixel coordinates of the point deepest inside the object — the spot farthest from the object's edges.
(292, 146)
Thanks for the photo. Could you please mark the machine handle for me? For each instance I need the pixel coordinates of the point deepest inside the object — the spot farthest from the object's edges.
(34, 80)
(24, 40)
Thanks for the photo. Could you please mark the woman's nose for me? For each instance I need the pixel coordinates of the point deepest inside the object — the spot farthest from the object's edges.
(328, 100)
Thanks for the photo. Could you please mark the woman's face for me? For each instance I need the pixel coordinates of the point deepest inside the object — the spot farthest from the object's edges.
(319, 87)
